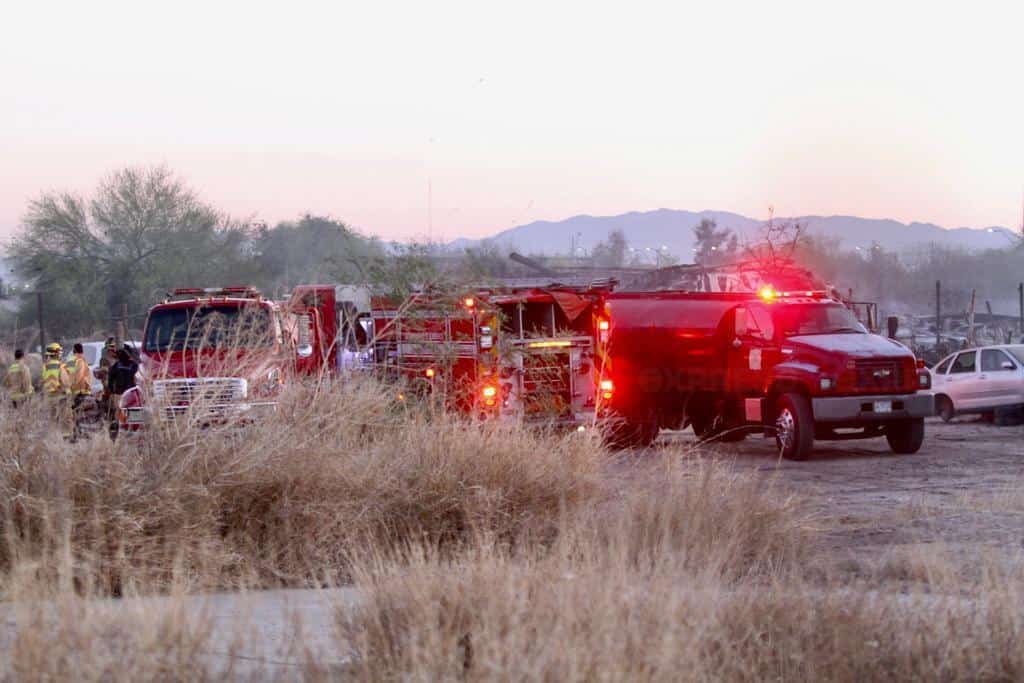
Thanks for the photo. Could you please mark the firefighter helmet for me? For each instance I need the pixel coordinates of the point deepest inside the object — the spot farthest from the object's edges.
(53, 349)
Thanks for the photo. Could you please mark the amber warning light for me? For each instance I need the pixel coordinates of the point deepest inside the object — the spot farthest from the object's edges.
(606, 389)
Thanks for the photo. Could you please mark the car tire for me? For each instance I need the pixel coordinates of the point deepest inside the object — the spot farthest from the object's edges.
(906, 436)
(944, 408)
(794, 427)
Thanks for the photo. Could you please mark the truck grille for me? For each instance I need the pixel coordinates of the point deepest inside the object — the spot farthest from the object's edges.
(205, 390)
(879, 375)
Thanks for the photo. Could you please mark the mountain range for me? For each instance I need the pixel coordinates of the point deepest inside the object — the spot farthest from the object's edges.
(672, 231)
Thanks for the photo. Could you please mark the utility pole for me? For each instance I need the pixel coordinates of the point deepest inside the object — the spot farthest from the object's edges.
(938, 312)
(1020, 301)
(971, 338)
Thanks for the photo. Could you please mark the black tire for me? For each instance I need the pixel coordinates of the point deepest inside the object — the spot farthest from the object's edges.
(944, 408)
(701, 425)
(707, 427)
(794, 427)
(906, 436)
(625, 434)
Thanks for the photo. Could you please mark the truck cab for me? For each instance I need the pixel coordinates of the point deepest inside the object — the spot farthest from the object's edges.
(209, 356)
(805, 363)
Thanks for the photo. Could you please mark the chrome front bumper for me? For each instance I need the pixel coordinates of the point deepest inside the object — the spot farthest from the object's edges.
(223, 413)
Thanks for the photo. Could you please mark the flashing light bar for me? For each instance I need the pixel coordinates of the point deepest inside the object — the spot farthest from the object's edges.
(769, 293)
(469, 302)
(560, 344)
(603, 325)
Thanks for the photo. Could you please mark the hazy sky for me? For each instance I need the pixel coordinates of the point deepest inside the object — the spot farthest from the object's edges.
(518, 111)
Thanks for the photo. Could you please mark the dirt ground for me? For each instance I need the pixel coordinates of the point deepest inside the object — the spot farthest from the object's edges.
(962, 493)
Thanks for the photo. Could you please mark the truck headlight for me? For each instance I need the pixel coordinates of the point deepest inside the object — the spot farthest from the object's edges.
(924, 380)
(826, 383)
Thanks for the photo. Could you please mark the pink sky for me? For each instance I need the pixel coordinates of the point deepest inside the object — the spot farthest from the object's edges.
(530, 111)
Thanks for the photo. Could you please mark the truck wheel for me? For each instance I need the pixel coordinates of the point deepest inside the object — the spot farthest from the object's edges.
(794, 427)
(628, 434)
(944, 408)
(906, 436)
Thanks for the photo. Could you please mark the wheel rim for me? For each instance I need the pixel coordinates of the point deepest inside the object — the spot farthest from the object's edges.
(785, 429)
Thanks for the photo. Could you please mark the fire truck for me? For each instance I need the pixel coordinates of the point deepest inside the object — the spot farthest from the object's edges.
(220, 355)
(796, 365)
(531, 353)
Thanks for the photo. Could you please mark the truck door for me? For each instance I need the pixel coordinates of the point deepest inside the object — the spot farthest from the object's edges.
(747, 357)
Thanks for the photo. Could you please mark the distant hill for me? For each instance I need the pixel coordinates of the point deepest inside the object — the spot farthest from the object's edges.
(674, 229)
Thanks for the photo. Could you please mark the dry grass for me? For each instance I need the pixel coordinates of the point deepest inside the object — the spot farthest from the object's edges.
(281, 504)
(669, 605)
(481, 551)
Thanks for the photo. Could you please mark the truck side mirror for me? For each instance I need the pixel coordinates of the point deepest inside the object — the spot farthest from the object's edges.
(741, 322)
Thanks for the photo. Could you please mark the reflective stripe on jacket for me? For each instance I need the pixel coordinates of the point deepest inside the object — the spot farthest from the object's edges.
(55, 378)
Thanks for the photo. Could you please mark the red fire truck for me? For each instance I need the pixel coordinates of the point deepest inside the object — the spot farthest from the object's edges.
(221, 354)
(796, 365)
(526, 352)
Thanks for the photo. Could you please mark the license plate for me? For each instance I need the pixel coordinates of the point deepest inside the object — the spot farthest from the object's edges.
(883, 406)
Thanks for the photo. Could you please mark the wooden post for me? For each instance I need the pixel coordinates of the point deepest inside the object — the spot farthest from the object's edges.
(1020, 299)
(971, 337)
(938, 312)
(122, 327)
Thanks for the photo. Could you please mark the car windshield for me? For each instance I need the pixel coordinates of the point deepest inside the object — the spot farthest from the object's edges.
(208, 327)
(797, 319)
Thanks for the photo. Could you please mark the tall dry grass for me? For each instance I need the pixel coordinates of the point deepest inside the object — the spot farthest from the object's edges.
(704, 579)
(284, 502)
(480, 550)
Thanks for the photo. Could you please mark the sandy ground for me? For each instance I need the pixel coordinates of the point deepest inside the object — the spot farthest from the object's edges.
(963, 492)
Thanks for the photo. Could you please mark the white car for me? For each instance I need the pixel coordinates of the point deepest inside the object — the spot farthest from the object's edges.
(979, 380)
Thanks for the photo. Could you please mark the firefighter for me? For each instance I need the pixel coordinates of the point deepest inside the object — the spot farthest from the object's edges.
(19, 380)
(56, 382)
(81, 387)
(120, 379)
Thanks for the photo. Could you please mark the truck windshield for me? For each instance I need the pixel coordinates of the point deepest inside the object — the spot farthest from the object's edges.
(796, 319)
(209, 327)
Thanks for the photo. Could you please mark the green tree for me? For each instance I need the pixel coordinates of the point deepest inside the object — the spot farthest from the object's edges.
(714, 245)
(611, 253)
(314, 248)
(142, 231)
